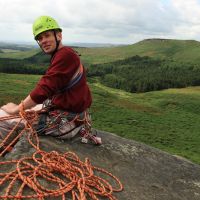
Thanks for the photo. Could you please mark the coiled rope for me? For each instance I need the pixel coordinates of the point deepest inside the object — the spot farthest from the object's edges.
(51, 174)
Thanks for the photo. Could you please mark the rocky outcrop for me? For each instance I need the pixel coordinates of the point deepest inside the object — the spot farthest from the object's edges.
(145, 172)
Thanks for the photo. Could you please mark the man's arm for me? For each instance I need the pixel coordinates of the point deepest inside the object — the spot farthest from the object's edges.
(12, 108)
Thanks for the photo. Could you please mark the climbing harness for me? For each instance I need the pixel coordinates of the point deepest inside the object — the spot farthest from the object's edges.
(62, 124)
(74, 80)
(65, 125)
(51, 174)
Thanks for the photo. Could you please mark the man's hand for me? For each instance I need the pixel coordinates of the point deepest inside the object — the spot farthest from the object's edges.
(11, 108)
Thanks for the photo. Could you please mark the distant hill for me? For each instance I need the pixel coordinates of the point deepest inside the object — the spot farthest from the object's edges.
(93, 45)
(182, 50)
(17, 51)
(39, 58)
(178, 50)
(13, 46)
(18, 54)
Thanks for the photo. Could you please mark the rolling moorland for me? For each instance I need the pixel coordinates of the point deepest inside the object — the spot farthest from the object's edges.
(166, 119)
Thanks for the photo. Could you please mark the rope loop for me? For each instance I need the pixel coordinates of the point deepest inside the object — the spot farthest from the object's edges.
(51, 174)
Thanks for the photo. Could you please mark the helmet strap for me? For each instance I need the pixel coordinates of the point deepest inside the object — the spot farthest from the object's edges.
(57, 44)
(40, 46)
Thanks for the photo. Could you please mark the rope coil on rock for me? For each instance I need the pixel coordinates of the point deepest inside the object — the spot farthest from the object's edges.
(51, 174)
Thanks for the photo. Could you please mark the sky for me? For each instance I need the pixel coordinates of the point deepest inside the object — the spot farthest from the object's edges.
(103, 21)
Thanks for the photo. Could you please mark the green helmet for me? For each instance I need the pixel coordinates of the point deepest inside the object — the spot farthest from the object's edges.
(44, 23)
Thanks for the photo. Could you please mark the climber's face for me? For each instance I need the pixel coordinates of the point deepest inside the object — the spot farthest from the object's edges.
(47, 41)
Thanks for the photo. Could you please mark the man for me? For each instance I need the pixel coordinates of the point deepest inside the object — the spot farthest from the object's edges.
(64, 83)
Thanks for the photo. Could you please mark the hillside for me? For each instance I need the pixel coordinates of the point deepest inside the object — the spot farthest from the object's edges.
(17, 51)
(180, 50)
(167, 119)
(144, 74)
(18, 54)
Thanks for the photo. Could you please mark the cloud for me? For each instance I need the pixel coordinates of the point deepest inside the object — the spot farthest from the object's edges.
(188, 21)
(113, 21)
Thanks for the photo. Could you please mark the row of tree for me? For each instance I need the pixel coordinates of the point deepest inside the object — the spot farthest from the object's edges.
(142, 74)
(134, 74)
(36, 64)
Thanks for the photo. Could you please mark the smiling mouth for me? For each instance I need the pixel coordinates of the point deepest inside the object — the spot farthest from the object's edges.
(46, 47)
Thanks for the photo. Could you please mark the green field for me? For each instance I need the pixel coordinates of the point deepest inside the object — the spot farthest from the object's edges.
(16, 54)
(168, 119)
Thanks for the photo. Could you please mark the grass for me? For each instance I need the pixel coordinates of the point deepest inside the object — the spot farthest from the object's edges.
(15, 88)
(168, 119)
(18, 54)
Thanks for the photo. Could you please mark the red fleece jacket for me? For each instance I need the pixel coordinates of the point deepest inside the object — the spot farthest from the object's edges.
(63, 66)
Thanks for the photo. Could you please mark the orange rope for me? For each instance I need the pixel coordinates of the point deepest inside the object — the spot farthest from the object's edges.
(52, 174)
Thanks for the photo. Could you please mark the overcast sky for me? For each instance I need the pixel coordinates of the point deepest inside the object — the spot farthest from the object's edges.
(103, 21)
